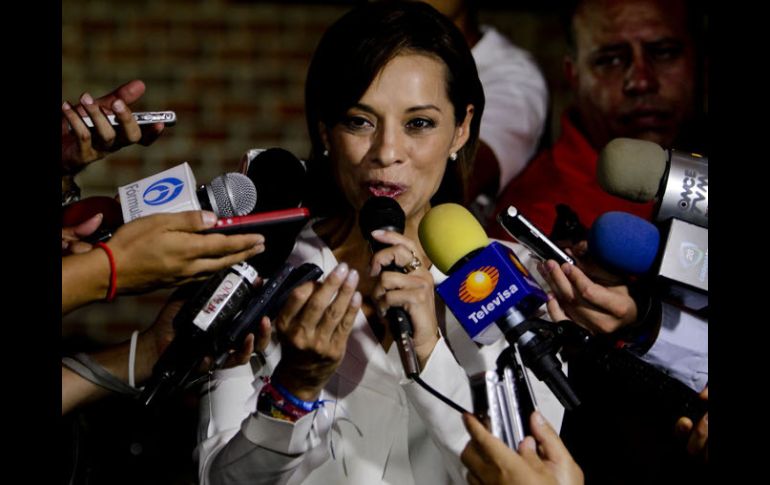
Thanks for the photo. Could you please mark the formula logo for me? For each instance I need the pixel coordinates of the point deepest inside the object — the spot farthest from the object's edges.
(479, 284)
(163, 191)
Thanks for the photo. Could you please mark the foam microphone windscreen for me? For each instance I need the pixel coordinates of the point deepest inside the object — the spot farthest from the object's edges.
(448, 233)
(280, 179)
(632, 169)
(624, 242)
(381, 213)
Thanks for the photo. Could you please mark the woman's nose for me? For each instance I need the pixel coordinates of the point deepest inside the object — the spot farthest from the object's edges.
(387, 145)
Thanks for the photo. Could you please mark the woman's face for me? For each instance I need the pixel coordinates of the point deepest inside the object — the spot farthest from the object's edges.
(396, 140)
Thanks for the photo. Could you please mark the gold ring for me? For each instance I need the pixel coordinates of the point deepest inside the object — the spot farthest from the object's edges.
(414, 264)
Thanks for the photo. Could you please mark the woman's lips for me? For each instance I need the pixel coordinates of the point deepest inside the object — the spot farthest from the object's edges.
(385, 189)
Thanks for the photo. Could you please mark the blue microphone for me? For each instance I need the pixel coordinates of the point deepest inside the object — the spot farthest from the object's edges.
(678, 258)
(624, 242)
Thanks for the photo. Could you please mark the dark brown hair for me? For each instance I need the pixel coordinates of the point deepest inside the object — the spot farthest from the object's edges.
(350, 55)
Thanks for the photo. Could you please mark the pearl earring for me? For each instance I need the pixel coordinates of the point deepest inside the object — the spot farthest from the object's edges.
(453, 156)
(326, 153)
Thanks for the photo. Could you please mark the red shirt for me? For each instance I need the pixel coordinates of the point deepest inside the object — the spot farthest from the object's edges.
(566, 174)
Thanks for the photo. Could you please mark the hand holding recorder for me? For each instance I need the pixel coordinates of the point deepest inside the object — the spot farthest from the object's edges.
(541, 459)
(94, 128)
(155, 251)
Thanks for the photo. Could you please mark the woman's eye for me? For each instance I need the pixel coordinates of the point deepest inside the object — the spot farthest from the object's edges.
(420, 124)
(357, 123)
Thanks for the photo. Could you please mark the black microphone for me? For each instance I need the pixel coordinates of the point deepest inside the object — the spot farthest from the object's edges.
(385, 213)
(280, 179)
(197, 327)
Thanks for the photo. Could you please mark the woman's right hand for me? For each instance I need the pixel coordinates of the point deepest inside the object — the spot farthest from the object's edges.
(313, 328)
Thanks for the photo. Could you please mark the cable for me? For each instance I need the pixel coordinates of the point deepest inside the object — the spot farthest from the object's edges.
(443, 398)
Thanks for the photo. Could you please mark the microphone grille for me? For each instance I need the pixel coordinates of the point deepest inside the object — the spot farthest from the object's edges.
(234, 194)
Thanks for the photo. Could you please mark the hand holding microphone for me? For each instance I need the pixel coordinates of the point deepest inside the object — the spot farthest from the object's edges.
(413, 291)
(404, 290)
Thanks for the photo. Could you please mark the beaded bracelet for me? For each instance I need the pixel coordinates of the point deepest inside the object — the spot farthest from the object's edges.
(277, 402)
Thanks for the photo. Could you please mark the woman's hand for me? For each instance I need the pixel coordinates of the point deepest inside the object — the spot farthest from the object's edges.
(313, 328)
(413, 291)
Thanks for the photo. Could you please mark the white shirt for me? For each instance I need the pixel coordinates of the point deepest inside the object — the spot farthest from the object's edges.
(516, 102)
(377, 428)
(681, 348)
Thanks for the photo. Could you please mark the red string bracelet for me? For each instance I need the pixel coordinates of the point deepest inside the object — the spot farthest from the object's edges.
(113, 288)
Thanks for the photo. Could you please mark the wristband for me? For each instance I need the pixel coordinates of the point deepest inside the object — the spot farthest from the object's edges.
(113, 288)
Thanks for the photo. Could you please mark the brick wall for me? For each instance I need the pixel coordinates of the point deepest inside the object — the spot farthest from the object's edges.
(234, 73)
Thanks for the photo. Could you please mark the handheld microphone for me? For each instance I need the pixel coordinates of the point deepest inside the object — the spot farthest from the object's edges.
(624, 242)
(678, 259)
(227, 195)
(197, 326)
(279, 177)
(385, 213)
(174, 190)
(642, 171)
(490, 292)
(280, 180)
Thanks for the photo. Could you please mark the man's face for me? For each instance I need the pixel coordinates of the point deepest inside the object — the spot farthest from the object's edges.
(633, 75)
